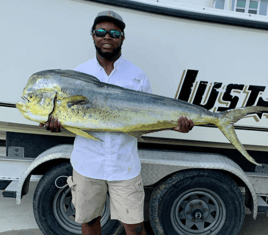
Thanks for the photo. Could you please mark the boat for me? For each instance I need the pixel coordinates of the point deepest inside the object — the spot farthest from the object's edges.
(208, 53)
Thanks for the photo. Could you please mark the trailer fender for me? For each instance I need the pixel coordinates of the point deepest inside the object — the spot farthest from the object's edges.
(157, 164)
(57, 152)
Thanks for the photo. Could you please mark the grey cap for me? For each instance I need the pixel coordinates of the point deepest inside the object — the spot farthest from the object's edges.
(109, 16)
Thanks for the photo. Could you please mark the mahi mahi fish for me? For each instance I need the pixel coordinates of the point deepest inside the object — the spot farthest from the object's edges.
(81, 102)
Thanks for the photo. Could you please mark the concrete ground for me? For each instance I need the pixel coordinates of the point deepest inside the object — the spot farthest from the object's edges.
(19, 219)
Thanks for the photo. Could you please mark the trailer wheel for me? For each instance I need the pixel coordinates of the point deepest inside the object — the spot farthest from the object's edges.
(197, 202)
(53, 208)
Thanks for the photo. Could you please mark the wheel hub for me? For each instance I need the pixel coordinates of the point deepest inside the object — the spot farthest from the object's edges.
(197, 210)
(198, 214)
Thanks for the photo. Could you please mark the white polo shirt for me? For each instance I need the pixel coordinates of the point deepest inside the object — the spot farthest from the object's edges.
(116, 157)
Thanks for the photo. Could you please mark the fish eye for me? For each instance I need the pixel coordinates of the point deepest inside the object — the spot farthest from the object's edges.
(31, 96)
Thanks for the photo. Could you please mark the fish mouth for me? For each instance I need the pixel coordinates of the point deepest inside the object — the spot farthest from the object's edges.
(25, 99)
(21, 106)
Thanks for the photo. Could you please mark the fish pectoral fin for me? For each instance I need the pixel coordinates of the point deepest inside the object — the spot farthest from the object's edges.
(77, 100)
(81, 133)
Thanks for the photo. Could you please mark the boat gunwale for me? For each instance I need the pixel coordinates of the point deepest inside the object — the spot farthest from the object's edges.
(240, 19)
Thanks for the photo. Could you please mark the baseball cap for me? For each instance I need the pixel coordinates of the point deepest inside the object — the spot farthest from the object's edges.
(109, 15)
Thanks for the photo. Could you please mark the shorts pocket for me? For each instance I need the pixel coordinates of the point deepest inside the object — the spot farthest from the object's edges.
(139, 186)
(72, 185)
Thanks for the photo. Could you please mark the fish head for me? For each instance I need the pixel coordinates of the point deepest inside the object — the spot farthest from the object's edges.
(39, 96)
(37, 105)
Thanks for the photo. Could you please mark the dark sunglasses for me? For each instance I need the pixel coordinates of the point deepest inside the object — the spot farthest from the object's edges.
(102, 33)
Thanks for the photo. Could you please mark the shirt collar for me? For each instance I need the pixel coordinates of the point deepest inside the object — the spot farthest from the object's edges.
(117, 63)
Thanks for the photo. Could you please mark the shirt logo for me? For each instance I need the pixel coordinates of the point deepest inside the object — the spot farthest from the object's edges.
(136, 79)
(111, 14)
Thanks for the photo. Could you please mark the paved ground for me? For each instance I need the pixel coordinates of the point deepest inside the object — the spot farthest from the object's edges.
(23, 232)
(19, 219)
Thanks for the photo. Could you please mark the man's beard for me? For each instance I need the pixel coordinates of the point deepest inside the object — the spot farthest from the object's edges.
(109, 56)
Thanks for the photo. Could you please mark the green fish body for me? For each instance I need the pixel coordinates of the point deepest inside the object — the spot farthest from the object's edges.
(81, 102)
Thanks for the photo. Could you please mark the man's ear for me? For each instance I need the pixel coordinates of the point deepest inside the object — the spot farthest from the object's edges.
(93, 38)
(122, 39)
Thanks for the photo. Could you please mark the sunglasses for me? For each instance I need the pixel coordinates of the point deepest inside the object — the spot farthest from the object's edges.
(102, 33)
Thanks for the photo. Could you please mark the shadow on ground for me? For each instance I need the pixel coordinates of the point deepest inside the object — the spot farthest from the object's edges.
(38, 232)
(23, 232)
(251, 226)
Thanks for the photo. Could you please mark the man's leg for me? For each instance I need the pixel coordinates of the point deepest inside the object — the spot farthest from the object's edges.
(127, 204)
(134, 229)
(88, 197)
(92, 228)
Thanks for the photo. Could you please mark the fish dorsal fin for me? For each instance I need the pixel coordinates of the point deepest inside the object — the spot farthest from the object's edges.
(80, 132)
(69, 73)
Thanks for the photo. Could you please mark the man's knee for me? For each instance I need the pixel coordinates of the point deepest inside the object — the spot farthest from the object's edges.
(138, 229)
(93, 221)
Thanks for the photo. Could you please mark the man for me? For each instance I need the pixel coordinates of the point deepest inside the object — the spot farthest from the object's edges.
(112, 164)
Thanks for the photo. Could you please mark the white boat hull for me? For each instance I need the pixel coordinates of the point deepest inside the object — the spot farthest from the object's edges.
(40, 35)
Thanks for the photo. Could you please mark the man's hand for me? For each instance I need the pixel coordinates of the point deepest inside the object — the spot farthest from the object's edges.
(52, 124)
(184, 125)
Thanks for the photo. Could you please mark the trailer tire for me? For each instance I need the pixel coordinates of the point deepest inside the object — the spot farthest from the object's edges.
(53, 209)
(197, 202)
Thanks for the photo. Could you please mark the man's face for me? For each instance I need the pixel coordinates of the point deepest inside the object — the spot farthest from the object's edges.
(106, 46)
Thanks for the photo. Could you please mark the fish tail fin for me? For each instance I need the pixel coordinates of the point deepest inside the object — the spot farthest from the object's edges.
(226, 121)
(237, 114)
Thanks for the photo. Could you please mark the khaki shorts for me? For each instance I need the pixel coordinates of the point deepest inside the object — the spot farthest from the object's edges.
(89, 196)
